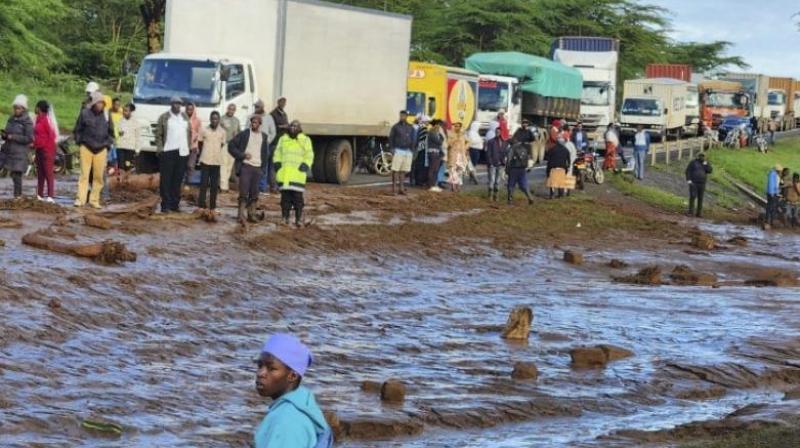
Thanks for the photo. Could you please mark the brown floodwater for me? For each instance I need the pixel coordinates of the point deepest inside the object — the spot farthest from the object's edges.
(164, 346)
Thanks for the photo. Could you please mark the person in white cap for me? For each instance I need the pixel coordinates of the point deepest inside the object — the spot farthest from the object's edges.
(95, 135)
(18, 135)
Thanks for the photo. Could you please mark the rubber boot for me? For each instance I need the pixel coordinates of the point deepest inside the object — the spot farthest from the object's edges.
(242, 208)
(530, 198)
(251, 213)
(510, 197)
(298, 216)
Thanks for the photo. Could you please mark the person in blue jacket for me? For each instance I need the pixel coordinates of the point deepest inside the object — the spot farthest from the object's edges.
(773, 191)
(294, 419)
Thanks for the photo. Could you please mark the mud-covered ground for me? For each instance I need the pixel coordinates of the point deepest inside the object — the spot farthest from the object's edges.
(414, 288)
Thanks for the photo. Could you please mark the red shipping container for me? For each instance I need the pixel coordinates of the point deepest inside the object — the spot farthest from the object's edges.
(681, 72)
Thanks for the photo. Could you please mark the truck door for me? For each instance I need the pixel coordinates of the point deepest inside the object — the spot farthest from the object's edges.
(239, 91)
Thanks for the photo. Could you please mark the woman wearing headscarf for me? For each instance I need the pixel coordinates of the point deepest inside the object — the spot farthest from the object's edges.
(18, 136)
(456, 157)
(44, 142)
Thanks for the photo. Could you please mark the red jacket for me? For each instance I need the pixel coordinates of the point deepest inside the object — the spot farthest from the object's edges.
(44, 136)
(504, 132)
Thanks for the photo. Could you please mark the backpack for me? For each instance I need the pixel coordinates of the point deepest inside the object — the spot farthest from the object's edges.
(519, 156)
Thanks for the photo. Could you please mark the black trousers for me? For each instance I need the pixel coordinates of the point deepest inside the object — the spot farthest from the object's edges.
(126, 159)
(172, 168)
(772, 208)
(249, 178)
(696, 192)
(16, 177)
(292, 199)
(209, 176)
(434, 160)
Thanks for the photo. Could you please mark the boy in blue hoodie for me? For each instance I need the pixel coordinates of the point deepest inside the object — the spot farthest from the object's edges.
(294, 419)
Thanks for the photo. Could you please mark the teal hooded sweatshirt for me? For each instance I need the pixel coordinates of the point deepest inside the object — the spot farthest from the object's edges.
(293, 421)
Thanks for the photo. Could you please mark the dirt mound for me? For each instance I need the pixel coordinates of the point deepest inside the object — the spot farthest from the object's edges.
(617, 264)
(738, 240)
(6, 223)
(393, 391)
(599, 356)
(650, 275)
(685, 276)
(518, 325)
(377, 429)
(702, 393)
(525, 371)
(573, 257)
(31, 204)
(774, 277)
(703, 241)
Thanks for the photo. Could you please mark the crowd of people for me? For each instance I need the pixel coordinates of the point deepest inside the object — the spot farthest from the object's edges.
(783, 196)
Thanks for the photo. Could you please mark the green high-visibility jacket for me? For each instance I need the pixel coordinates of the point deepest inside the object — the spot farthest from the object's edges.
(291, 153)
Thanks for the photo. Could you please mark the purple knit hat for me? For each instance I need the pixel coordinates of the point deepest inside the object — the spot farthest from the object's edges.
(290, 351)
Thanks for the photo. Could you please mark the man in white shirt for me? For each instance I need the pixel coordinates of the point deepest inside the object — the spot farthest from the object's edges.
(173, 136)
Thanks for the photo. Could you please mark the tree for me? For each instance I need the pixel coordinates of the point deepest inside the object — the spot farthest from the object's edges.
(24, 44)
(153, 13)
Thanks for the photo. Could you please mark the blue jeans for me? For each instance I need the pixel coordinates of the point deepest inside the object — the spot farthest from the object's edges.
(494, 177)
(268, 173)
(639, 159)
(517, 177)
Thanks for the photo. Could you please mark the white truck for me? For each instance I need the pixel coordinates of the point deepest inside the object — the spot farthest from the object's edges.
(342, 70)
(757, 87)
(657, 104)
(596, 58)
(496, 93)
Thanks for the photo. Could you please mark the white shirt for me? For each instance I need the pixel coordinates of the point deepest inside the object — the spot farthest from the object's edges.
(177, 127)
(492, 132)
(129, 134)
(641, 139)
(254, 149)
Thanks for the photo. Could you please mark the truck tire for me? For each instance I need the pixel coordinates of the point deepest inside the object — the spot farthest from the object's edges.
(318, 168)
(338, 161)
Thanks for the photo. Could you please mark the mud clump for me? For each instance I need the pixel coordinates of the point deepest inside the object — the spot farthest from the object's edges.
(31, 204)
(573, 257)
(206, 215)
(650, 275)
(525, 371)
(107, 252)
(6, 223)
(700, 394)
(54, 304)
(684, 276)
(703, 241)
(336, 425)
(379, 429)
(738, 240)
(598, 356)
(2, 243)
(774, 278)
(518, 326)
(617, 264)
(113, 252)
(98, 222)
(393, 391)
(371, 386)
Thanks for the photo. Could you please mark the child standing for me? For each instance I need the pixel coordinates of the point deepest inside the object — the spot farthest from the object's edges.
(294, 419)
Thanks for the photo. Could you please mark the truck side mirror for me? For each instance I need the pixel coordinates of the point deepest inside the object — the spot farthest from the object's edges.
(666, 111)
(224, 74)
(517, 96)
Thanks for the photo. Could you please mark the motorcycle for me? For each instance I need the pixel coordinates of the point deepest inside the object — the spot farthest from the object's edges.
(587, 167)
(61, 164)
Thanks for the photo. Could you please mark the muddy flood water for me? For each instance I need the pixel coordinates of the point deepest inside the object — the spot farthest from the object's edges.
(164, 346)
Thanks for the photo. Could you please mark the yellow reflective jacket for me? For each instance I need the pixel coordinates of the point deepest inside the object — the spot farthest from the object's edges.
(290, 154)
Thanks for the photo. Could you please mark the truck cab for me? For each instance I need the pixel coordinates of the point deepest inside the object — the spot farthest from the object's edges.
(210, 82)
(776, 103)
(647, 111)
(495, 93)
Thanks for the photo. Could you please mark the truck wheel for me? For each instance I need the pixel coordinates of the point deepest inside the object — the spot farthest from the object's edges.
(318, 168)
(339, 162)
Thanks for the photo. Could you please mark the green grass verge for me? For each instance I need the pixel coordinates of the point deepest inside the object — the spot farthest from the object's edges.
(750, 166)
(65, 92)
(779, 437)
(656, 197)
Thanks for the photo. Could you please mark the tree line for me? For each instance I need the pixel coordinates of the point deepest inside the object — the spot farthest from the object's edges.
(107, 39)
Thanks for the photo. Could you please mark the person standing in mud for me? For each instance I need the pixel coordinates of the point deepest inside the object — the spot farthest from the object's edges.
(696, 174)
(496, 154)
(558, 166)
(434, 152)
(401, 140)
(250, 148)
(517, 170)
(773, 194)
(212, 144)
(173, 140)
(268, 127)
(232, 126)
(128, 141)
(281, 120)
(18, 135)
(94, 135)
(294, 419)
(457, 158)
(195, 126)
(293, 158)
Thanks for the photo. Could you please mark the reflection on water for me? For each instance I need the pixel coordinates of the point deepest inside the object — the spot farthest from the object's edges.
(164, 346)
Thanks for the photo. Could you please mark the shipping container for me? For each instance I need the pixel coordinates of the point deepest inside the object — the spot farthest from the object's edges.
(681, 72)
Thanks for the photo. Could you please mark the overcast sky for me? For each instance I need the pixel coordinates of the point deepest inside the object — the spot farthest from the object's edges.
(762, 31)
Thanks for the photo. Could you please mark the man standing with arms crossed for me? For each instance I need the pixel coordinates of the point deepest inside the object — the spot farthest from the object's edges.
(401, 140)
(173, 137)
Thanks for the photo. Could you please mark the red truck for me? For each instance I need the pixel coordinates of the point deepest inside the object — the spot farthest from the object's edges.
(719, 99)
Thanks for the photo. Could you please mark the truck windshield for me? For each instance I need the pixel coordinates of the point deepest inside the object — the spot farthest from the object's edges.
(595, 94)
(692, 100)
(641, 106)
(725, 99)
(415, 103)
(776, 99)
(493, 96)
(159, 80)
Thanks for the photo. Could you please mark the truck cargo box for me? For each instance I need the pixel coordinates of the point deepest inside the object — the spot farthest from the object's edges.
(585, 43)
(757, 86)
(681, 72)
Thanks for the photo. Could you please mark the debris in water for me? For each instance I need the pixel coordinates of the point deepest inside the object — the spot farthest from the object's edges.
(738, 240)
(393, 391)
(525, 371)
(105, 428)
(97, 221)
(54, 304)
(775, 278)
(683, 275)
(206, 215)
(704, 241)
(650, 275)
(371, 386)
(599, 356)
(573, 257)
(519, 322)
(6, 223)
(107, 252)
(617, 264)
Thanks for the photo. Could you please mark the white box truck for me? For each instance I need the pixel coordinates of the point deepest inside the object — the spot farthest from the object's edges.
(657, 104)
(596, 58)
(342, 69)
(495, 93)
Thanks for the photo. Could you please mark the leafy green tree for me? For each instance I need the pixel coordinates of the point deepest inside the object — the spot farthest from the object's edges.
(24, 44)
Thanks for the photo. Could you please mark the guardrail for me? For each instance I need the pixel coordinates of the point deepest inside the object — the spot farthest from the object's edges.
(676, 149)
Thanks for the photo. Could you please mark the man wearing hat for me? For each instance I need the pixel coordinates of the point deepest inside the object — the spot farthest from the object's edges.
(401, 141)
(173, 141)
(696, 174)
(773, 191)
(250, 149)
(94, 133)
(294, 419)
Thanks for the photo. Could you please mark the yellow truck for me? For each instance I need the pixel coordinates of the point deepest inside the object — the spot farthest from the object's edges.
(447, 93)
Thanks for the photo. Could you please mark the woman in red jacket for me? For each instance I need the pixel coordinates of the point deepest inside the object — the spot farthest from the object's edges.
(44, 142)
